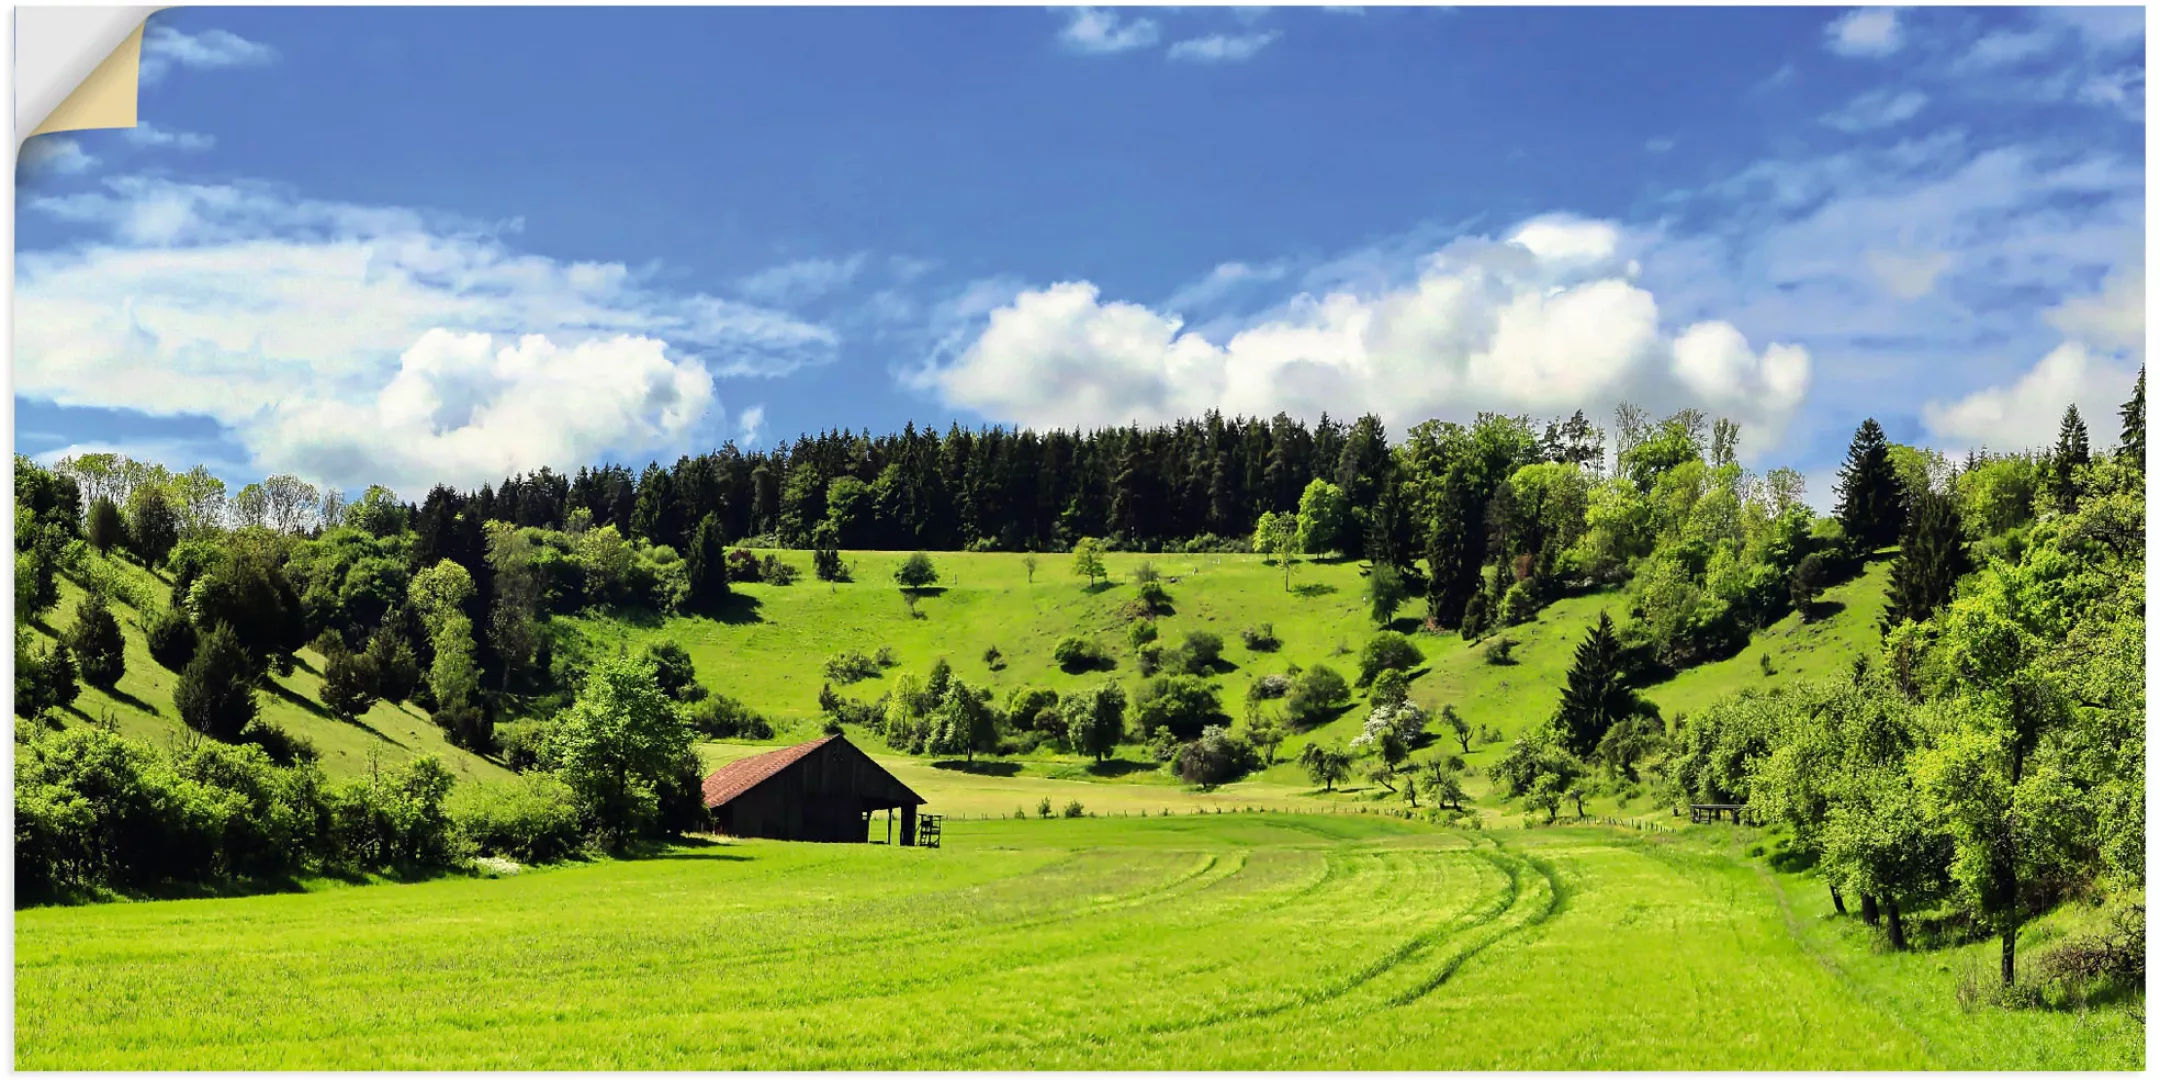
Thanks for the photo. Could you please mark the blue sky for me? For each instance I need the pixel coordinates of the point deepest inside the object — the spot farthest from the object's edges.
(409, 245)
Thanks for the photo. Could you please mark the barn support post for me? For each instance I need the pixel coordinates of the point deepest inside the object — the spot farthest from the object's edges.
(907, 826)
(888, 826)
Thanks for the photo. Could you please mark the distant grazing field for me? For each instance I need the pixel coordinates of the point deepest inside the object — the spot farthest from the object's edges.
(1206, 941)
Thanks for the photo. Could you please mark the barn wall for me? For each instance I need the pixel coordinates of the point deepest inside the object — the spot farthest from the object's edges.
(819, 798)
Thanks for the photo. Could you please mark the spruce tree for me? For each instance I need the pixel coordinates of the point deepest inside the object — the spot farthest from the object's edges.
(100, 651)
(1871, 502)
(2073, 449)
(348, 684)
(2133, 424)
(707, 564)
(1597, 694)
(216, 694)
(1931, 558)
(105, 530)
(171, 638)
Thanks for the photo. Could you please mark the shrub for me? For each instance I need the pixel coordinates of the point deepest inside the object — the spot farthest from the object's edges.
(1075, 654)
(532, 818)
(1147, 574)
(1154, 600)
(523, 744)
(216, 692)
(1032, 708)
(721, 717)
(100, 651)
(1387, 651)
(849, 666)
(1140, 632)
(283, 747)
(1198, 653)
(105, 529)
(772, 571)
(674, 672)
(397, 670)
(1261, 637)
(1314, 696)
(994, 658)
(392, 818)
(1150, 658)
(916, 572)
(742, 564)
(886, 658)
(1216, 757)
(1500, 651)
(826, 564)
(348, 684)
(171, 638)
(1182, 704)
(1517, 606)
(1042, 809)
(1389, 688)
(1074, 809)
(1268, 688)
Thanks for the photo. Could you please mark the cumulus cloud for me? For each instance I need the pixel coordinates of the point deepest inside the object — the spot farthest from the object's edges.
(316, 332)
(2113, 318)
(1546, 319)
(164, 48)
(1222, 48)
(1865, 32)
(1877, 109)
(1094, 30)
(2025, 414)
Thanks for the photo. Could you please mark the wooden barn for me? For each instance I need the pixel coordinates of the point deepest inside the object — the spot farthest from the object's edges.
(824, 790)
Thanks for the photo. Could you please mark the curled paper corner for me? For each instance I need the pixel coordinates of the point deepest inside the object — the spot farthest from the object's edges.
(76, 69)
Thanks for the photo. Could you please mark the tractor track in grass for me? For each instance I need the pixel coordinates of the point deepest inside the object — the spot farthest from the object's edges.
(1507, 919)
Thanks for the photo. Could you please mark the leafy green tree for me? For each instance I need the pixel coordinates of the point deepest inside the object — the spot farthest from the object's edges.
(1198, 653)
(1597, 694)
(1389, 687)
(1088, 560)
(1326, 765)
(1182, 704)
(396, 669)
(673, 671)
(1806, 582)
(1456, 725)
(1216, 757)
(1443, 783)
(620, 744)
(513, 625)
(153, 526)
(962, 722)
(377, 512)
(1322, 515)
(1871, 503)
(216, 691)
(1385, 592)
(100, 651)
(916, 572)
(1094, 718)
(1387, 651)
(105, 530)
(1931, 558)
(1275, 537)
(1032, 708)
(1263, 732)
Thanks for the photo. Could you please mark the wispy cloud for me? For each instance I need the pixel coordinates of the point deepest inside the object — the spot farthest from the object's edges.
(1658, 146)
(146, 134)
(750, 425)
(802, 280)
(1866, 32)
(1222, 48)
(53, 155)
(165, 48)
(1100, 31)
(1877, 109)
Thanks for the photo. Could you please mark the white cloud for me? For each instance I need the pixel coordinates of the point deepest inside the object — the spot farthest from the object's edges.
(1865, 32)
(1226, 279)
(164, 47)
(2114, 318)
(54, 155)
(274, 316)
(750, 425)
(1877, 109)
(802, 280)
(1544, 320)
(1222, 48)
(1095, 30)
(149, 135)
(2006, 48)
(2025, 415)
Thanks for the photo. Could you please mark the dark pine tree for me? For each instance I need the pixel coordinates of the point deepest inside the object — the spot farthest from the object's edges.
(1597, 694)
(1931, 558)
(105, 530)
(707, 563)
(216, 694)
(2073, 449)
(2133, 424)
(100, 651)
(1871, 502)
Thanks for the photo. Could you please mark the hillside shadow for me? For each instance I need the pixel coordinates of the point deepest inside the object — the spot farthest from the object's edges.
(739, 609)
(978, 768)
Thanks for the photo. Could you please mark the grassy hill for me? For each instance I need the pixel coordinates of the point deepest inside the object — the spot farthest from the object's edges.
(1233, 941)
(141, 704)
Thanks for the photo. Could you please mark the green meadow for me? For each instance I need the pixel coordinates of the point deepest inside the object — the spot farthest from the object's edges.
(1231, 940)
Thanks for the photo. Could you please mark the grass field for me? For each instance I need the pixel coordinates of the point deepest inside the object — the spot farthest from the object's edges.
(1194, 941)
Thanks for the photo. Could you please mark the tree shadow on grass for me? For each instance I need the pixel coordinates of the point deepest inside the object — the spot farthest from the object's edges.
(130, 700)
(1311, 589)
(978, 768)
(1095, 587)
(1116, 767)
(1820, 610)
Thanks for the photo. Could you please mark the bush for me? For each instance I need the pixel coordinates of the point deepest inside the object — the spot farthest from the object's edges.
(283, 747)
(1517, 606)
(1032, 708)
(1198, 653)
(886, 658)
(392, 818)
(1150, 658)
(216, 692)
(1268, 688)
(1500, 651)
(1387, 651)
(1182, 704)
(1261, 638)
(532, 818)
(100, 651)
(916, 572)
(1140, 632)
(348, 684)
(1389, 688)
(1153, 600)
(742, 565)
(674, 672)
(1216, 757)
(1076, 654)
(523, 744)
(171, 638)
(994, 658)
(849, 666)
(721, 717)
(1315, 696)
(772, 571)
(1074, 809)
(828, 567)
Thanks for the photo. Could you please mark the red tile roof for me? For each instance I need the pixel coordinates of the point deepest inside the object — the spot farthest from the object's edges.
(736, 777)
